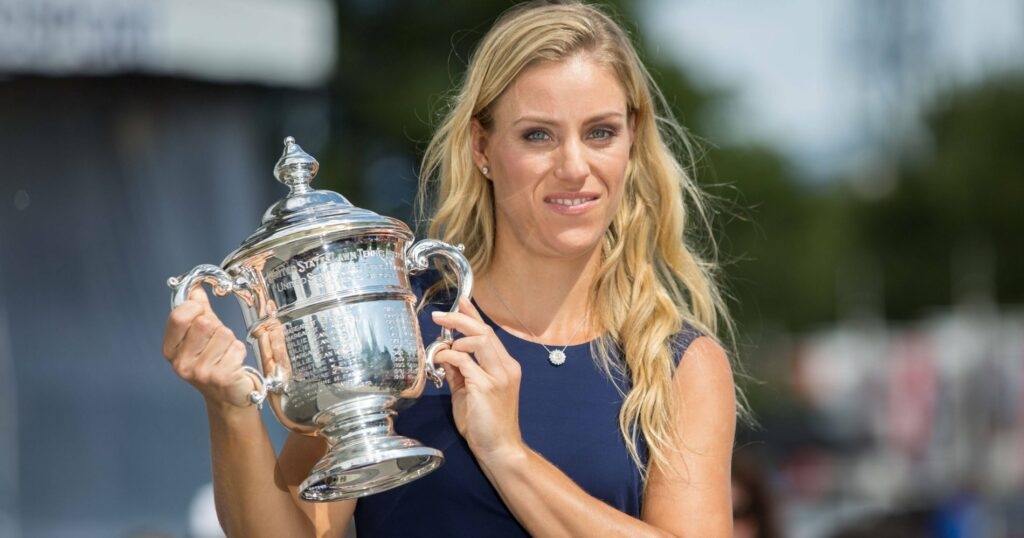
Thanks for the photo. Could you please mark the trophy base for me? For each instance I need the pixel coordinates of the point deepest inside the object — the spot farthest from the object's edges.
(369, 467)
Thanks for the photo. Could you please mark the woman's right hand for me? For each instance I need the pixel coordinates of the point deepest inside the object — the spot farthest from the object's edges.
(205, 352)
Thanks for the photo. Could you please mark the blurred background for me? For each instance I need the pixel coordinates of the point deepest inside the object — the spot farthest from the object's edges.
(866, 158)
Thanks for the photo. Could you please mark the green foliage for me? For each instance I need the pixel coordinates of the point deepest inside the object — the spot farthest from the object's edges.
(951, 230)
(782, 243)
(397, 63)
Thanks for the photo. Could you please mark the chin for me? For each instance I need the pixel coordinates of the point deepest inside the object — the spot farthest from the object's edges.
(578, 247)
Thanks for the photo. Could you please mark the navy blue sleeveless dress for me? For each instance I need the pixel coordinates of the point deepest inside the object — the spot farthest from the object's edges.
(568, 414)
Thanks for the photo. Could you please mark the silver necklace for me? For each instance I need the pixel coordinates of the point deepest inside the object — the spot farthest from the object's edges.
(555, 356)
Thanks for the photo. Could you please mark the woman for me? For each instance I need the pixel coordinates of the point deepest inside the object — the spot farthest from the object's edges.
(550, 168)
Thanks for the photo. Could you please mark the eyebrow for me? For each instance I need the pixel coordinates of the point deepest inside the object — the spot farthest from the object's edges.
(547, 121)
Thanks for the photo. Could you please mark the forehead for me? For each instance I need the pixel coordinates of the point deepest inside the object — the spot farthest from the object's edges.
(577, 86)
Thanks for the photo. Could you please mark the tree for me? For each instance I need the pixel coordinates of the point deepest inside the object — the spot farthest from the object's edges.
(951, 230)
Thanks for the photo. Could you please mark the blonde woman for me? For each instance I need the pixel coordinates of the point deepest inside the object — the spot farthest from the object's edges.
(586, 394)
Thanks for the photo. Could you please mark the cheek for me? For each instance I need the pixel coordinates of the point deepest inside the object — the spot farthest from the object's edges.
(614, 170)
(511, 194)
(516, 174)
(615, 204)
(508, 186)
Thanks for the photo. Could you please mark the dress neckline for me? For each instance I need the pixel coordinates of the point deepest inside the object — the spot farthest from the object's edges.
(497, 327)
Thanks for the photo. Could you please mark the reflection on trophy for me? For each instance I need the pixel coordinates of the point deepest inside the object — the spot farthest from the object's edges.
(325, 295)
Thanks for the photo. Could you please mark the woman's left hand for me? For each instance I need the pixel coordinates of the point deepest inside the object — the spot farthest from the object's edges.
(484, 382)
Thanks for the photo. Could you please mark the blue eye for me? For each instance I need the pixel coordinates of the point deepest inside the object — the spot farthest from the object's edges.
(536, 136)
(602, 133)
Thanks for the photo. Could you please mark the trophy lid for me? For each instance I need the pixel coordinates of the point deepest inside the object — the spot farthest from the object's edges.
(307, 211)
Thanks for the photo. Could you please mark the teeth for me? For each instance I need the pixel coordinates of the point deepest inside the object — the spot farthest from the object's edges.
(568, 201)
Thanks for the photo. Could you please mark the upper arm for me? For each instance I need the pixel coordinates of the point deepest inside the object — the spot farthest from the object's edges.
(693, 497)
(297, 457)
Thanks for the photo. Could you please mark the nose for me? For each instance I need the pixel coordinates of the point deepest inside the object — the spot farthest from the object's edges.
(572, 165)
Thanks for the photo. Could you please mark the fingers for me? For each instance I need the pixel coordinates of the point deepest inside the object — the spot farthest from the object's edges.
(487, 350)
(455, 378)
(219, 375)
(198, 294)
(200, 368)
(466, 320)
(479, 345)
(223, 368)
(461, 322)
(195, 334)
(468, 308)
(197, 337)
(210, 357)
(205, 340)
(479, 338)
(484, 380)
(205, 352)
(468, 369)
(182, 317)
(178, 324)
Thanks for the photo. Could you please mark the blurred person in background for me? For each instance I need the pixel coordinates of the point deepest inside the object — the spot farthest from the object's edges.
(908, 524)
(588, 394)
(754, 511)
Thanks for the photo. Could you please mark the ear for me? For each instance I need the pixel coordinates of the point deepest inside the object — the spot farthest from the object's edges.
(478, 141)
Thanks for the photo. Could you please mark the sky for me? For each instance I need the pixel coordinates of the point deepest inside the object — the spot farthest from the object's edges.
(830, 81)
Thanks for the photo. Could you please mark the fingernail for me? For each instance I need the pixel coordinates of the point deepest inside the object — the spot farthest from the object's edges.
(439, 313)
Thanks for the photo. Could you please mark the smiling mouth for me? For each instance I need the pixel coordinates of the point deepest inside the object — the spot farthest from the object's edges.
(569, 202)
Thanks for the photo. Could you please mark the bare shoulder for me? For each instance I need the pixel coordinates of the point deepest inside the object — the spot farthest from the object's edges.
(707, 395)
(692, 495)
(705, 366)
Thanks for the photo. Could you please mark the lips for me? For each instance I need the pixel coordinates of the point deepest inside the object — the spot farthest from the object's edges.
(569, 202)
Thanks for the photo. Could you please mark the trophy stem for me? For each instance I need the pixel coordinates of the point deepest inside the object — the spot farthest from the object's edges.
(366, 456)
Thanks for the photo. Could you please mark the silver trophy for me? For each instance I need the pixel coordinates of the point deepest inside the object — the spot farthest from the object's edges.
(325, 295)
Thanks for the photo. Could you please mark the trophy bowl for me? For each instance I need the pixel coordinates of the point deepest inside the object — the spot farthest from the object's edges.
(331, 317)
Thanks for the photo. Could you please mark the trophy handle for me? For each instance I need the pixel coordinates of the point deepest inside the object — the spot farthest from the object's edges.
(416, 260)
(222, 284)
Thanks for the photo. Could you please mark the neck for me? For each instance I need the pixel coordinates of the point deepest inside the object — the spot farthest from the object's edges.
(534, 298)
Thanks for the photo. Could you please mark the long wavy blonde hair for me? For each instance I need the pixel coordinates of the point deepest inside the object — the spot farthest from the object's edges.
(650, 283)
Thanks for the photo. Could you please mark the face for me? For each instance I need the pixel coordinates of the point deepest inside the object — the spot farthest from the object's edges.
(557, 152)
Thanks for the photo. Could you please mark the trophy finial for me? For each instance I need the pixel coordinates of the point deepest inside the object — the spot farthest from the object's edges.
(296, 168)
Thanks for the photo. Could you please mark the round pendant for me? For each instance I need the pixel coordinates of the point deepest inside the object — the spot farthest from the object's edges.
(556, 357)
